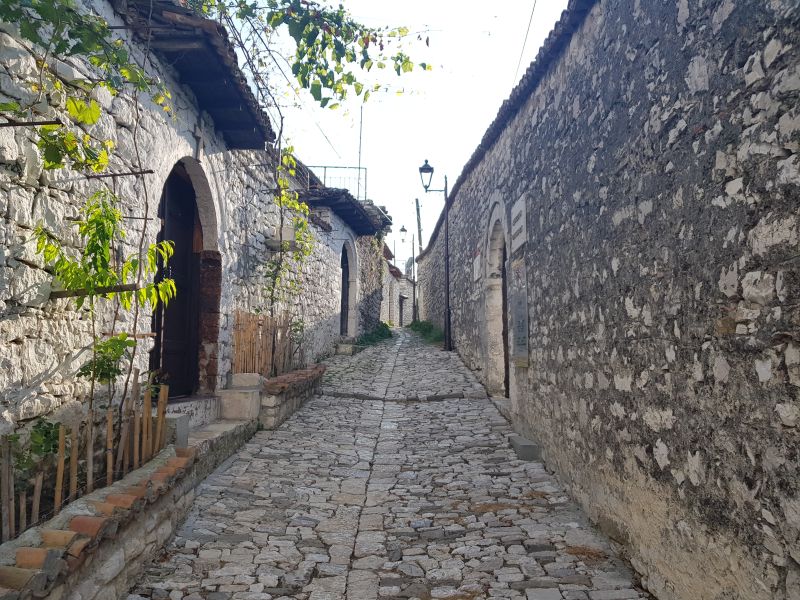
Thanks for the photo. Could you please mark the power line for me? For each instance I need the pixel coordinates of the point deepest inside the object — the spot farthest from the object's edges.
(524, 43)
(302, 101)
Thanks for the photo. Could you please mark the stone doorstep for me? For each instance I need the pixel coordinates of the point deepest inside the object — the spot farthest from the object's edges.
(269, 401)
(54, 552)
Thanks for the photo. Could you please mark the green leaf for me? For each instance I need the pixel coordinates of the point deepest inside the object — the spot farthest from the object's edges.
(316, 91)
(80, 111)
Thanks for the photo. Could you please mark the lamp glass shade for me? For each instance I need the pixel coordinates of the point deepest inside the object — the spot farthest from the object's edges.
(403, 232)
(426, 174)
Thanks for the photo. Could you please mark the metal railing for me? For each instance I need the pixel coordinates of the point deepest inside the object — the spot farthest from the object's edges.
(353, 179)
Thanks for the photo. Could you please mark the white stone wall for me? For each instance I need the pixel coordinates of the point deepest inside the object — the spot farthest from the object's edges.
(43, 342)
(320, 303)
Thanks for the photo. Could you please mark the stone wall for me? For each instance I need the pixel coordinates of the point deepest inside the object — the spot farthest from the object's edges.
(43, 342)
(406, 288)
(430, 273)
(644, 180)
(320, 302)
(393, 287)
(389, 312)
(370, 292)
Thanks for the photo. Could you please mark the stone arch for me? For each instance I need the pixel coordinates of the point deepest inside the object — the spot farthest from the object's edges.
(496, 305)
(348, 309)
(206, 209)
(196, 308)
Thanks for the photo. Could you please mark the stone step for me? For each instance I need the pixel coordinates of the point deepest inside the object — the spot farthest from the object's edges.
(524, 448)
(240, 404)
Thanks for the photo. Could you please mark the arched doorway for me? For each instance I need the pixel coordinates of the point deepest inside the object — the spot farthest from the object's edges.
(348, 313)
(344, 311)
(497, 313)
(187, 329)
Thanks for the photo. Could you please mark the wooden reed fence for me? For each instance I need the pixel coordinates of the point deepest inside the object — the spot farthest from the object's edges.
(262, 344)
(26, 495)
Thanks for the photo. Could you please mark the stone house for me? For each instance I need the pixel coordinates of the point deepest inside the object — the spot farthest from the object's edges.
(623, 250)
(210, 190)
(391, 275)
(397, 307)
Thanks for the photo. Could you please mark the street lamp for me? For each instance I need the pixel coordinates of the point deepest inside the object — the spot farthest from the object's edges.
(414, 310)
(425, 175)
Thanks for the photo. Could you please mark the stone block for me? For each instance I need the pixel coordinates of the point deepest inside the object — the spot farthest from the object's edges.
(272, 400)
(246, 380)
(240, 405)
(268, 421)
(524, 448)
(348, 349)
(178, 430)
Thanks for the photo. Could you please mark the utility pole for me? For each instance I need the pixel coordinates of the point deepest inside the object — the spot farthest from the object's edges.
(419, 226)
(414, 309)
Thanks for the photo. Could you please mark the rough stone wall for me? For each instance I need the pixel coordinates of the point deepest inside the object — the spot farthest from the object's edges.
(43, 342)
(370, 293)
(320, 302)
(430, 275)
(389, 312)
(657, 160)
(407, 289)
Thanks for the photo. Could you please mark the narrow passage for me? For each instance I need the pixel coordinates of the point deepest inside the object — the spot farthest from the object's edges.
(359, 497)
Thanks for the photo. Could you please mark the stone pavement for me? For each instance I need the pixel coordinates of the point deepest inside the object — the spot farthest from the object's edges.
(401, 368)
(358, 499)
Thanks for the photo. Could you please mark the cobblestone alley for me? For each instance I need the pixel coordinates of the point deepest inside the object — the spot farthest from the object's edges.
(397, 482)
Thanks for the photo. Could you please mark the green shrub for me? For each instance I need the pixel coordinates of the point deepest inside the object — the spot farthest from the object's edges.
(428, 331)
(381, 332)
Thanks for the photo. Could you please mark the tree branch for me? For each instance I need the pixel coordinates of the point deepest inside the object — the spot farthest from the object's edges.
(127, 287)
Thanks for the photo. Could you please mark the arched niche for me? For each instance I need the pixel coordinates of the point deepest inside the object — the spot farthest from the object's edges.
(348, 319)
(496, 306)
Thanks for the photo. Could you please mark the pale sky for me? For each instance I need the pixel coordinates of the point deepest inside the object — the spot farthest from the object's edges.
(442, 114)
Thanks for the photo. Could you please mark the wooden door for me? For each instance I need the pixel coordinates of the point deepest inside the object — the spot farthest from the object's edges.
(345, 312)
(177, 324)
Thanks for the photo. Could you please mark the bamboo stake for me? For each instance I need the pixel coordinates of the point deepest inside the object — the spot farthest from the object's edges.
(109, 446)
(136, 435)
(23, 510)
(5, 470)
(162, 408)
(37, 497)
(73, 464)
(12, 524)
(123, 450)
(90, 452)
(62, 437)
(147, 426)
(236, 342)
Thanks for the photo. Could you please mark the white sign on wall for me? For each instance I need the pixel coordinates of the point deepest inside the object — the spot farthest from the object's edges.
(519, 227)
